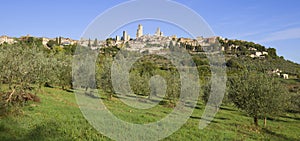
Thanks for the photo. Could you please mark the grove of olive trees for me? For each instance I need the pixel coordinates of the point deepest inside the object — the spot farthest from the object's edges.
(25, 69)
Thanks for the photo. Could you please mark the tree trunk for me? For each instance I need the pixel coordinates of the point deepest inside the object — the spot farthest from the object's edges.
(110, 97)
(10, 96)
(265, 121)
(255, 121)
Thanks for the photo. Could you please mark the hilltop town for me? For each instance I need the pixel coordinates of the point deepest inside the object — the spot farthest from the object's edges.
(146, 42)
(158, 40)
(157, 43)
(62, 41)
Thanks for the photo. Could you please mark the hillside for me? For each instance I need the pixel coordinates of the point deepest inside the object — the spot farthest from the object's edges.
(58, 117)
(31, 69)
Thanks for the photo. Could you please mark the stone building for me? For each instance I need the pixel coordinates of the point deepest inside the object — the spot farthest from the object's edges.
(126, 37)
(188, 41)
(158, 32)
(6, 39)
(140, 31)
(45, 41)
(117, 38)
(68, 41)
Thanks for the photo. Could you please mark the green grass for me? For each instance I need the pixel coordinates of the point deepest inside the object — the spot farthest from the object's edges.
(58, 117)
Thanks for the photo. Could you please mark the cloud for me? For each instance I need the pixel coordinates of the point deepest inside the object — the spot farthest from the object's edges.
(292, 33)
(245, 34)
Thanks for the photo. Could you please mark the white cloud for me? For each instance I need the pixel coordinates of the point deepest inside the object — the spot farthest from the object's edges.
(292, 33)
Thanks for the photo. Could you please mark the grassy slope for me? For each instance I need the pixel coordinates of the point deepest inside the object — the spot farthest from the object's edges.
(58, 118)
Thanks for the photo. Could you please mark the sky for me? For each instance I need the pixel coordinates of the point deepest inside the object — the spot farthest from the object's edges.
(272, 23)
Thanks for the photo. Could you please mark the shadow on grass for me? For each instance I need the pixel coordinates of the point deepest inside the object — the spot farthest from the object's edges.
(289, 117)
(193, 117)
(198, 107)
(46, 131)
(69, 90)
(91, 95)
(282, 137)
(277, 119)
(221, 118)
(141, 99)
(227, 109)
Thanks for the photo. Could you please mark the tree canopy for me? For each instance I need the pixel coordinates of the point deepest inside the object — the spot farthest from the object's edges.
(258, 94)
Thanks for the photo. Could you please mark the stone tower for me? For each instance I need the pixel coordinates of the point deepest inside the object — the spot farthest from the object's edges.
(126, 37)
(117, 38)
(139, 32)
(158, 32)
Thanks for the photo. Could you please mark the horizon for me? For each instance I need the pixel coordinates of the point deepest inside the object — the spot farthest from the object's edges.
(271, 24)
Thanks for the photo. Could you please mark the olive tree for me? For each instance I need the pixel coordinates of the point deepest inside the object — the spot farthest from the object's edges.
(258, 94)
(62, 70)
(20, 68)
(103, 75)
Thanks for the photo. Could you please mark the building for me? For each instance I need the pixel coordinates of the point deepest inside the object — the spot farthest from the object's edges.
(188, 41)
(265, 53)
(140, 31)
(45, 41)
(6, 39)
(68, 41)
(158, 32)
(213, 40)
(252, 49)
(285, 76)
(126, 37)
(174, 37)
(259, 54)
(118, 38)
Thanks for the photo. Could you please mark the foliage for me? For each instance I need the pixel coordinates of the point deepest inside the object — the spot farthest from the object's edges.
(257, 94)
(95, 42)
(24, 68)
(234, 64)
(272, 52)
(103, 75)
(150, 66)
(262, 65)
(51, 43)
(295, 103)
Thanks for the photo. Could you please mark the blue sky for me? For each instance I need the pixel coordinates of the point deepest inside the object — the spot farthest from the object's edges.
(273, 23)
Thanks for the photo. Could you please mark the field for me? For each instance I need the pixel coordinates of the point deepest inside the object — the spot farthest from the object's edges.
(58, 117)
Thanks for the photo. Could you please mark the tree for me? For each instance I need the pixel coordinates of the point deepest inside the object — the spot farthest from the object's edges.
(257, 94)
(295, 103)
(89, 43)
(63, 70)
(21, 67)
(234, 64)
(206, 92)
(103, 76)
(243, 50)
(56, 41)
(95, 42)
(272, 52)
(139, 83)
(59, 41)
(51, 43)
